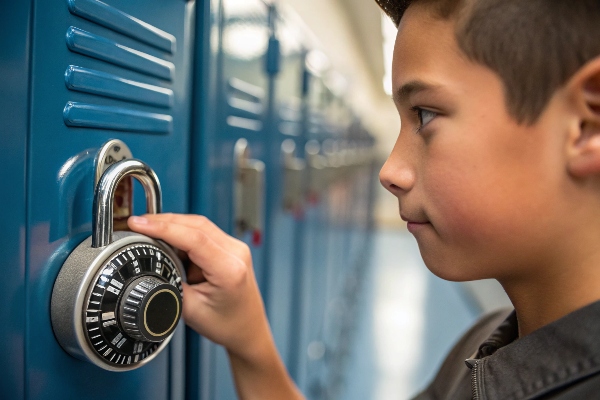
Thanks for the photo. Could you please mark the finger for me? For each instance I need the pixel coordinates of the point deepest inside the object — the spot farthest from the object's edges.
(204, 224)
(194, 307)
(198, 222)
(220, 267)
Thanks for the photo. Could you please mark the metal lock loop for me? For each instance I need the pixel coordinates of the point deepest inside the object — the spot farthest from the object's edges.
(105, 193)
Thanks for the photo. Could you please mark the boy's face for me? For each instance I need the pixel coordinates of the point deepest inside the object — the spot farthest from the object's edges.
(481, 193)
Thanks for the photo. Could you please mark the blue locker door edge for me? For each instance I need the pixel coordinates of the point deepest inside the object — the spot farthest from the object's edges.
(15, 35)
(200, 351)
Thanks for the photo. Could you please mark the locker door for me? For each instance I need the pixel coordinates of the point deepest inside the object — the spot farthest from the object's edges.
(231, 98)
(286, 174)
(341, 258)
(314, 249)
(119, 69)
(14, 86)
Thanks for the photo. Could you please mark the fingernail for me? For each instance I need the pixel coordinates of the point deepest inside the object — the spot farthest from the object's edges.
(139, 220)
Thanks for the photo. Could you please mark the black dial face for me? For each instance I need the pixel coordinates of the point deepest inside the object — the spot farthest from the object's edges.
(103, 329)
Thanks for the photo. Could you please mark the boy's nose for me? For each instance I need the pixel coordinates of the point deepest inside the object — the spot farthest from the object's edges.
(396, 176)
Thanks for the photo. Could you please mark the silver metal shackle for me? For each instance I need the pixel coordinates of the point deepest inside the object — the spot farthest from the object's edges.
(104, 194)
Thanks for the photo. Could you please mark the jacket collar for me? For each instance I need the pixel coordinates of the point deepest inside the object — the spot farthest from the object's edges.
(555, 355)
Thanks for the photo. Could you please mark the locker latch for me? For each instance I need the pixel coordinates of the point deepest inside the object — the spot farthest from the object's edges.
(293, 178)
(248, 193)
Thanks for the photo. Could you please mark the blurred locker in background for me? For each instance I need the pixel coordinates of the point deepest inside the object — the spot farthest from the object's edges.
(231, 100)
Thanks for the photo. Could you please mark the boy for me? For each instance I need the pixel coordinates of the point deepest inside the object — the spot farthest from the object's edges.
(497, 173)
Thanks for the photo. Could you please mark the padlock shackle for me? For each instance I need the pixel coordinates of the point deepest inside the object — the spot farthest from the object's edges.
(104, 195)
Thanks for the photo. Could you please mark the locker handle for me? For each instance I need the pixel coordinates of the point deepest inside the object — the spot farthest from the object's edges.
(294, 181)
(318, 166)
(248, 193)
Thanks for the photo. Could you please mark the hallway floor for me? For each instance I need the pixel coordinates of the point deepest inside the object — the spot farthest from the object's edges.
(408, 321)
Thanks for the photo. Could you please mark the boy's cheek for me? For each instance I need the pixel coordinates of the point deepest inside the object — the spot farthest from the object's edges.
(483, 235)
(472, 229)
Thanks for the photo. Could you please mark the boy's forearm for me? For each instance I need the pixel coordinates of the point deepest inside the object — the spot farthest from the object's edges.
(264, 377)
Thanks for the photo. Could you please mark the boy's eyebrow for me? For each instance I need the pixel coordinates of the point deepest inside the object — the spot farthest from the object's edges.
(410, 88)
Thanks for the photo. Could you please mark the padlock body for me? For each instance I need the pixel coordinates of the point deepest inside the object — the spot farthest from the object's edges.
(93, 285)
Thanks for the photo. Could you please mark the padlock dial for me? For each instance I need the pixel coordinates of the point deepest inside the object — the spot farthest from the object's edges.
(149, 309)
(133, 304)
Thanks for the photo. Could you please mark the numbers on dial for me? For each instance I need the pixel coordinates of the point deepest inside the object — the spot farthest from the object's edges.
(102, 328)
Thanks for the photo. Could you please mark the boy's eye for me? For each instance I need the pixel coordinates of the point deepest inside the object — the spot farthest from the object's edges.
(425, 116)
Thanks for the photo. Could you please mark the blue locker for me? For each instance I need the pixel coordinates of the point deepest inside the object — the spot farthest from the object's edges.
(231, 102)
(201, 353)
(285, 175)
(14, 106)
(337, 203)
(314, 245)
(88, 71)
(349, 232)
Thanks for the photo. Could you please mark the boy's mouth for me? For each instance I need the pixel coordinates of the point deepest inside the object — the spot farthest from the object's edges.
(413, 220)
(414, 224)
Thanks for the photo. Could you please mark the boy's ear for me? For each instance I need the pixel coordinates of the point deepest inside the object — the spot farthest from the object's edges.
(584, 141)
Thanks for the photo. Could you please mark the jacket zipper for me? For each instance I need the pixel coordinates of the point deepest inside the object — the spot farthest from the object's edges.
(474, 385)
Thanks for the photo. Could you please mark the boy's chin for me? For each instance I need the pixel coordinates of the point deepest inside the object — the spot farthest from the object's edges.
(453, 270)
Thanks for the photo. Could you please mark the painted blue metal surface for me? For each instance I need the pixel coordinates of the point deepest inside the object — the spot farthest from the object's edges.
(117, 20)
(60, 180)
(311, 378)
(97, 82)
(311, 351)
(285, 63)
(201, 354)
(14, 86)
(99, 47)
(85, 115)
(244, 36)
(230, 103)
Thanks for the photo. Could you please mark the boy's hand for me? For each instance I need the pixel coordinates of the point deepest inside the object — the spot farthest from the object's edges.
(221, 301)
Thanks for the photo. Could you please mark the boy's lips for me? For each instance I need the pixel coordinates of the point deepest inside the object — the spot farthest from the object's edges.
(413, 220)
(414, 224)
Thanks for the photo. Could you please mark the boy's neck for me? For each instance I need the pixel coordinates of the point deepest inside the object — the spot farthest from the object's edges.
(540, 301)
(563, 273)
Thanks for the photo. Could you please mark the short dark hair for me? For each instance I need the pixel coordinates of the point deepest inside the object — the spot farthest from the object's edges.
(535, 46)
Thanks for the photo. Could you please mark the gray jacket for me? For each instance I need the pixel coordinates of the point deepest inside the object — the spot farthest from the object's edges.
(559, 361)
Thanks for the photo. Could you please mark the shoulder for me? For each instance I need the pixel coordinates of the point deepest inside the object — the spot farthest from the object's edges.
(453, 378)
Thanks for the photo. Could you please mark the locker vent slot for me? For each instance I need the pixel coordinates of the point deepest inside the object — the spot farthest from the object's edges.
(109, 85)
(244, 105)
(95, 46)
(245, 108)
(316, 121)
(238, 87)
(117, 118)
(112, 18)
(244, 123)
(289, 117)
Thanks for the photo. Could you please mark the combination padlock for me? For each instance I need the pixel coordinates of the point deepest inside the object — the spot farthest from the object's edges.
(118, 296)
